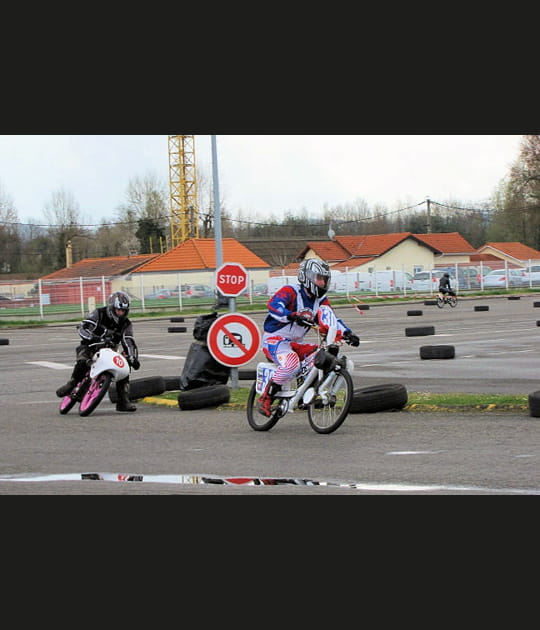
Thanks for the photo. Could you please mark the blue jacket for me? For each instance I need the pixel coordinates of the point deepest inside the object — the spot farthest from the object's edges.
(293, 299)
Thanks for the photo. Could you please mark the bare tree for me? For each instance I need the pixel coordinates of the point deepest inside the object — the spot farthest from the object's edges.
(10, 242)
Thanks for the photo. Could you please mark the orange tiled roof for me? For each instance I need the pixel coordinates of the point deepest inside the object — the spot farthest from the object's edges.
(96, 267)
(447, 242)
(514, 250)
(331, 251)
(200, 254)
(370, 245)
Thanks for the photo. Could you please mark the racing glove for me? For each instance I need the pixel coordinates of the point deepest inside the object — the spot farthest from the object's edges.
(301, 319)
(135, 363)
(351, 338)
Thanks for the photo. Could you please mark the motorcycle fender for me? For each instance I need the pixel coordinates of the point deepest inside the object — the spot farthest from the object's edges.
(106, 360)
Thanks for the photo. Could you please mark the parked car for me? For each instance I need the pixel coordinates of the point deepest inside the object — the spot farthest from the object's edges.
(503, 278)
(427, 281)
(162, 295)
(260, 289)
(532, 275)
(196, 291)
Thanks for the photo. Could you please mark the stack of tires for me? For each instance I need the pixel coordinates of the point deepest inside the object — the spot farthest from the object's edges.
(203, 382)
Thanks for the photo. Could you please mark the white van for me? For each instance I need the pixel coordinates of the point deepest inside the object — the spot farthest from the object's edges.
(392, 280)
(276, 282)
(353, 281)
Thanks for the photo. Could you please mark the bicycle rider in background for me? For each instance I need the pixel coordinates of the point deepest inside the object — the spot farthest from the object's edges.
(444, 286)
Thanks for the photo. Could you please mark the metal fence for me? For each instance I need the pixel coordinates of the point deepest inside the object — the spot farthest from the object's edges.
(77, 297)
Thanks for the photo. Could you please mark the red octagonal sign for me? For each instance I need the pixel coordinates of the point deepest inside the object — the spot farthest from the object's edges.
(231, 279)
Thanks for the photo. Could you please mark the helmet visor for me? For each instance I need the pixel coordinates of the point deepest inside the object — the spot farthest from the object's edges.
(321, 281)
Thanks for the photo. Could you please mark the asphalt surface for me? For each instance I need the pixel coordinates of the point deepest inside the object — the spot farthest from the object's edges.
(162, 450)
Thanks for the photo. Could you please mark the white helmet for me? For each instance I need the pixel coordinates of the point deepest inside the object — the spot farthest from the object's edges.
(314, 275)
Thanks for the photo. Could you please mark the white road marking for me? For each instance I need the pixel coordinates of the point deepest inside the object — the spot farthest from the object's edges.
(49, 364)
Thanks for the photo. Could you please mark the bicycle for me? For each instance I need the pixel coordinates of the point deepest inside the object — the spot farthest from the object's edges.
(323, 387)
(451, 300)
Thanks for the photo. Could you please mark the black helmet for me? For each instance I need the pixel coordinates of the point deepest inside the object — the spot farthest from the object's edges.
(119, 299)
(314, 274)
(447, 275)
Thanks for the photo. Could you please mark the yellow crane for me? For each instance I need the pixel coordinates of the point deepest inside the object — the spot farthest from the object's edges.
(184, 207)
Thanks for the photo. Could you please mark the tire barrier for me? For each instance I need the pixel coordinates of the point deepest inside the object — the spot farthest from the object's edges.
(430, 302)
(177, 320)
(437, 352)
(203, 397)
(141, 388)
(4, 342)
(538, 322)
(177, 329)
(386, 397)
(534, 404)
(172, 383)
(514, 297)
(481, 308)
(419, 331)
(413, 313)
(536, 304)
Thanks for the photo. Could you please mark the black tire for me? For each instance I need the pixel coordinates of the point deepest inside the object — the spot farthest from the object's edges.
(177, 320)
(437, 352)
(415, 313)
(67, 405)
(4, 342)
(141, 388)
(481, 307)
(514, 297)
(327, 418)
(536, 304)
(363, 307)
(534, 404)
(257, 421)
(202, 397)
(538, 322)
(430, 302)
(97, 390)
(172, 383)
(386, 397)
(177, 329)
(247, 375)
(419, 331)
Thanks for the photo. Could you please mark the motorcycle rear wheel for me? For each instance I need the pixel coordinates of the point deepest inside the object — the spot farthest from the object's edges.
(257, 421)
(97, 390)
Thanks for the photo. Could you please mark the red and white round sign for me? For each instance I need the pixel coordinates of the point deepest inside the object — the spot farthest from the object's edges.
(231, 279)
(234, 339)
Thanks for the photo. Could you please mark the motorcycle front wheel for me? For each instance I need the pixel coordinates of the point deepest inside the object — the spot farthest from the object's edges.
(326, 418)
(97, 390)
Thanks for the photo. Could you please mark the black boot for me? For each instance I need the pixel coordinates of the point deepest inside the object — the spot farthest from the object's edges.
(124, 403)
(79, 372)
(66, 389)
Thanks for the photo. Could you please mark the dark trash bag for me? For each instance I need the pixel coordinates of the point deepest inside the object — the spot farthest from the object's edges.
(201, 369)
(202, 326)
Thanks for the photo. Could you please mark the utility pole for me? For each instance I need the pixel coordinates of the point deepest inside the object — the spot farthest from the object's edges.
(428, 226)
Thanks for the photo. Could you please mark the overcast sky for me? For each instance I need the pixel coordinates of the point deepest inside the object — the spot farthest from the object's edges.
(261, 175)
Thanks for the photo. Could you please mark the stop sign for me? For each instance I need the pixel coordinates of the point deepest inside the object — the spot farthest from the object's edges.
(231, 279)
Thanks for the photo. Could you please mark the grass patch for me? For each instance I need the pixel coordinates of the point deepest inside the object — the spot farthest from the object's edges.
(415, 399)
